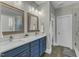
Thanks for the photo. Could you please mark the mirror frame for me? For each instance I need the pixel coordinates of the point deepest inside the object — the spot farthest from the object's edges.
(28, 22)
(19, 10)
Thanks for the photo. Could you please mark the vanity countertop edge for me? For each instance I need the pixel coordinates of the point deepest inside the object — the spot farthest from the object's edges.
(26, 40)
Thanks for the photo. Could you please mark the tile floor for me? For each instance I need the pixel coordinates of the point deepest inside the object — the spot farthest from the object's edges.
(58, 51)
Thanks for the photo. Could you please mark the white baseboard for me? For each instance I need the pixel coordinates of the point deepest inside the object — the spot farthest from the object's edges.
(61, 45)
(55, 44)
(48, 51)
(76, 51)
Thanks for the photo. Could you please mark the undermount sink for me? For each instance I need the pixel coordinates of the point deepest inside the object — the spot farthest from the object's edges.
(6, 45)
(6, 42)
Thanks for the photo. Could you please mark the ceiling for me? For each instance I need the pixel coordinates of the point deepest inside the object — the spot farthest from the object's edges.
(40, 2)
(58, 4)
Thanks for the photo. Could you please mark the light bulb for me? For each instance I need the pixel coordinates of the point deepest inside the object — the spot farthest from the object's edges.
(32, 8)
(40, 12)
(36, 11)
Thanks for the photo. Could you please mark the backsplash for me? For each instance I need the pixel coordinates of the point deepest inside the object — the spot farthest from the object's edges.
(18, 36)
(14, 36)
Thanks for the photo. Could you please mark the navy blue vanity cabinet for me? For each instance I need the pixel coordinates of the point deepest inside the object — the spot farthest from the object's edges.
(34, 48)
(38, 47)
(24, 49)
(42, 45)
(24, 53)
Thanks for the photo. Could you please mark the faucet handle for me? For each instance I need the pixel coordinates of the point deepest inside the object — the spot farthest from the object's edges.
(11, 37)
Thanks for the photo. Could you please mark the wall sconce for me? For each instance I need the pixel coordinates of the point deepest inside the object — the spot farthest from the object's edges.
(29, 9)
(18, 3)
(32, 9)
(40, 12)
(35, 11)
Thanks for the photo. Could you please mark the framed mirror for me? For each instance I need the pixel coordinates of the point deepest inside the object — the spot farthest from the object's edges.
(12, 19)
(33, 23)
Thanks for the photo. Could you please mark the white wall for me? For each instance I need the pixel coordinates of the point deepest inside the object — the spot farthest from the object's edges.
(74, 11)
(52, 14)
(1, 36)
(44, 18)
(23, 6)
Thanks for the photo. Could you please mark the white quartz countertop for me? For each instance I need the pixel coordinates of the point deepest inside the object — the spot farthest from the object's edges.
(8, 45)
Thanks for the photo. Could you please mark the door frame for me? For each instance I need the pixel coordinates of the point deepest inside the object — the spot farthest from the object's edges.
(56, 30)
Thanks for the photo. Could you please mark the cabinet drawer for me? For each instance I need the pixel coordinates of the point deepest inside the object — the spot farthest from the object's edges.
(34, 49)
(34, 43)
(25, 53)
(42, 45)
(15, 51)
(35, 54)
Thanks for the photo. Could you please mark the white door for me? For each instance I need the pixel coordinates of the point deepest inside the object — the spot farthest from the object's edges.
(59, 30)
(64, 31)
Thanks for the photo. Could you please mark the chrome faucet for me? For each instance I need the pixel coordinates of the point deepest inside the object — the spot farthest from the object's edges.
(36, 33)
(10, 38)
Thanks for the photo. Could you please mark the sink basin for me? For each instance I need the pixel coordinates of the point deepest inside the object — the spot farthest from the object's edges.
(6, 42)
(6, 45)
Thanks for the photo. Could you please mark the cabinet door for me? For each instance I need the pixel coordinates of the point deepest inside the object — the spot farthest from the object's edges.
(15, 51)
(42, 45)
(35, 48)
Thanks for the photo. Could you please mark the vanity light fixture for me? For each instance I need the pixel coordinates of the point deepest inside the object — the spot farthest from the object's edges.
(18, 3)
(40, 13)
(31, 9)
(34, 11)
